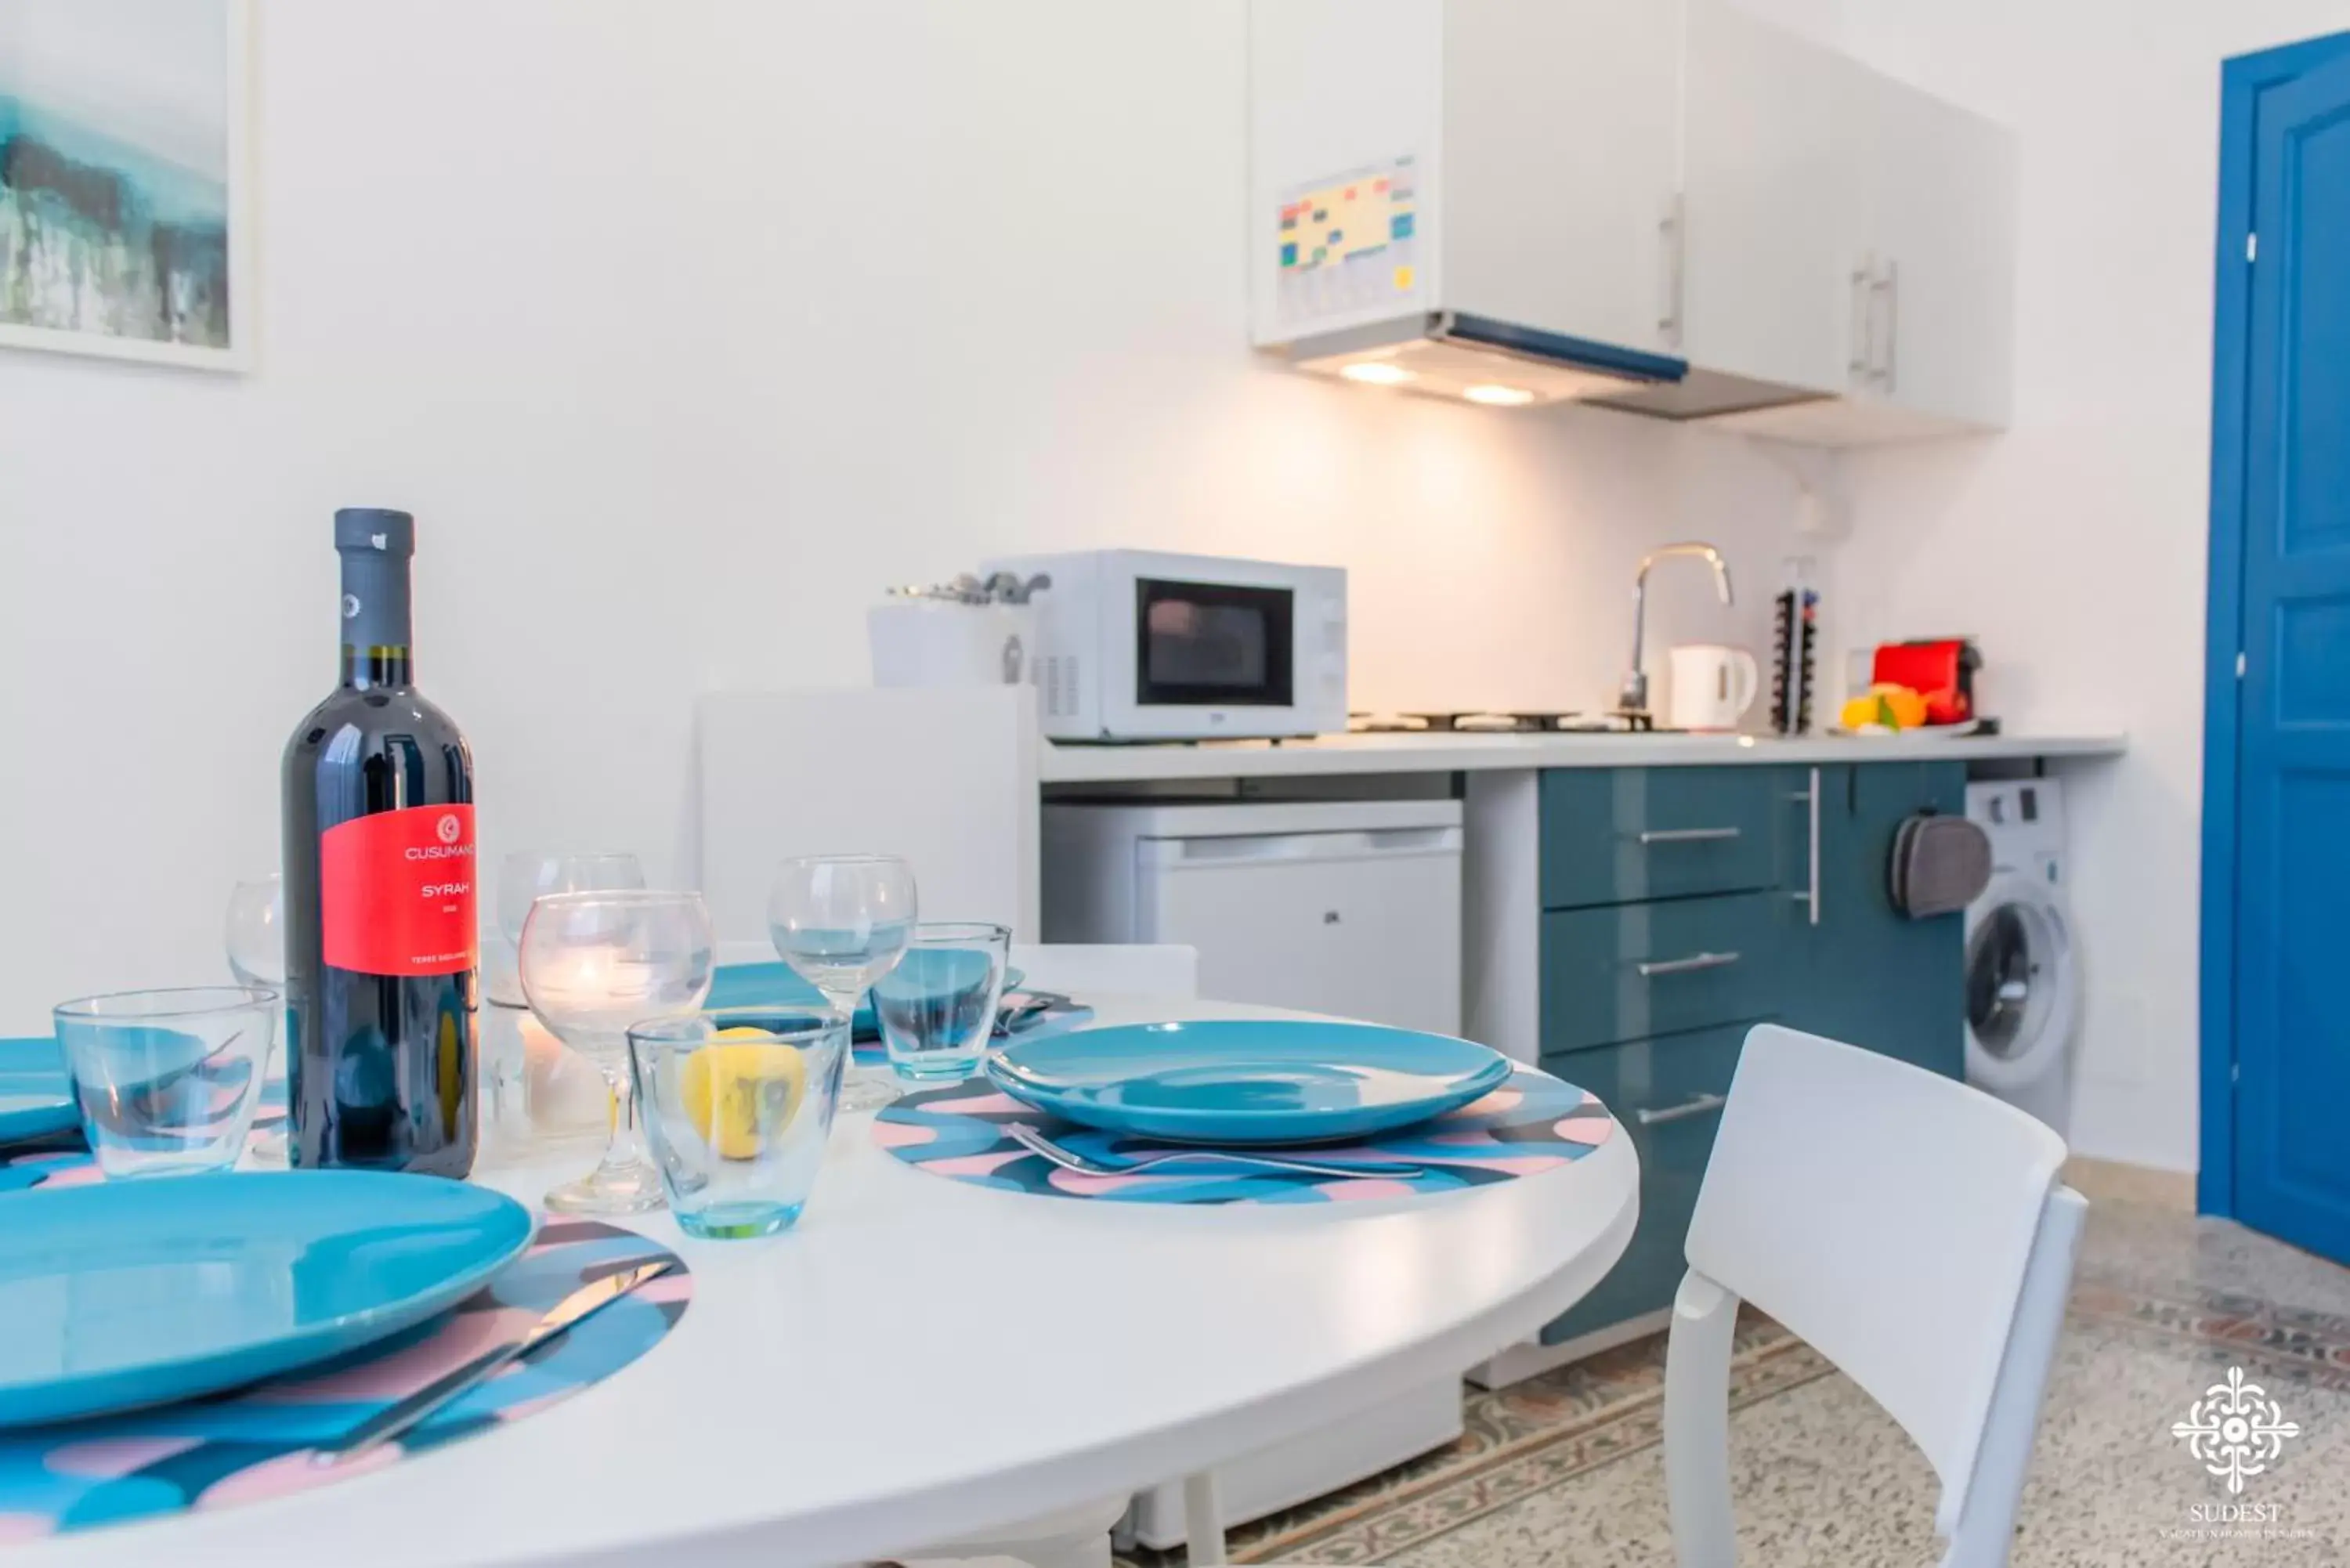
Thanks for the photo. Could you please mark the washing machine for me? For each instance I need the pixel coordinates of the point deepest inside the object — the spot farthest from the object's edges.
(2023, 977)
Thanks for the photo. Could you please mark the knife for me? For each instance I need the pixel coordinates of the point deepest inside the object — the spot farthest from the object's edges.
(397, 1418)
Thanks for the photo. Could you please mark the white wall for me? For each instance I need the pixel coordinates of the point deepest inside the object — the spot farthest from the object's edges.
(2073, 544)
(682, 329)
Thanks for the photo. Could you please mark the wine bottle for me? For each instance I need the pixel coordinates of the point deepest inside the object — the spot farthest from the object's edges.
(382, 944)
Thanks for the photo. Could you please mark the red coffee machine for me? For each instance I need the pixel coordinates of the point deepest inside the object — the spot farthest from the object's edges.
(1942, 670)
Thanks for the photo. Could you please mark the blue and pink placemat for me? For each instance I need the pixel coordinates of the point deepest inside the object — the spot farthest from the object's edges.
(256, 1442)
(1533, 1123)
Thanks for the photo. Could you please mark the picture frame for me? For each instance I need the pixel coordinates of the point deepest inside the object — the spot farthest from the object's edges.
(127, 198)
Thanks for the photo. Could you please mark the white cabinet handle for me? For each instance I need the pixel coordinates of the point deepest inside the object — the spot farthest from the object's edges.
(1673, 256)
(1812, 798)
(1650, 968)
(1863, 364)
(1891, 285)
(1696, 1106)
(1686, 835)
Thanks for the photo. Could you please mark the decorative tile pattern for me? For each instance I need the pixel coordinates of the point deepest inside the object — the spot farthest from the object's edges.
(1566, 1468)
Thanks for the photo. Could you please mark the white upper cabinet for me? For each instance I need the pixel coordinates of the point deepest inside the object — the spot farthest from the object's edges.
(1667, 206)
(1935, 236)
(1889, 284)
(1767, 206)
(1561, 164)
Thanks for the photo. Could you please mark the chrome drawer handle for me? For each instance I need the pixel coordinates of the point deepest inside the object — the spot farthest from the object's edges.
(1687, 835)
(1694, 1107)
(1650, 968)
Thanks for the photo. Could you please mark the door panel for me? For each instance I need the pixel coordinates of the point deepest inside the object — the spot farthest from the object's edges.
(1768, 250)
(2292, 1030)
(1875, 977)
(1935, 223)
(1375, 937)
(1562, 152)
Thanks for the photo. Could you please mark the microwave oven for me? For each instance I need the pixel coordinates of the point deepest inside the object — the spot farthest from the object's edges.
(1138, 645)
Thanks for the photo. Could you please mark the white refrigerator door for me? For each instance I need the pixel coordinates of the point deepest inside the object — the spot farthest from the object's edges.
(1365, 924)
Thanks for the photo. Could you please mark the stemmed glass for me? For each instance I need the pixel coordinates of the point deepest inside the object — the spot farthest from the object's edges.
(842, 921)
(528, 875)
(255, 932)
(525, 877)
(593, 963)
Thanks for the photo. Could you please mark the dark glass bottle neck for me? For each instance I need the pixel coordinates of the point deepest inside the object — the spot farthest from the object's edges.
(366, 667)
(376, 638)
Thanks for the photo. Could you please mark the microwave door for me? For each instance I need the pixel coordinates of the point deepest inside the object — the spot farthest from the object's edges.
(1213, 644)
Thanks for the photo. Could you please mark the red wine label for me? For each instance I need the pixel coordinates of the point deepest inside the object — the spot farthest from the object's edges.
(396, 891)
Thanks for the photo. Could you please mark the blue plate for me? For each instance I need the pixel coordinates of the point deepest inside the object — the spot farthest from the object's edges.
(774, 984)
(141, 1292)
(1247, 1081)
(36, 1096)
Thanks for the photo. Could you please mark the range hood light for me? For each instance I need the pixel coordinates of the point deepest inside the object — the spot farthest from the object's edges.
(1376, 372)
(1495, 395)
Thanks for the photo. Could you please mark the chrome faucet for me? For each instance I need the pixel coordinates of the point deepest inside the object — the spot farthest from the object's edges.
(1634, 698)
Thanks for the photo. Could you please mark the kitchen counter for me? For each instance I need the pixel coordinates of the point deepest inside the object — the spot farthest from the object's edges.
(1411, 754)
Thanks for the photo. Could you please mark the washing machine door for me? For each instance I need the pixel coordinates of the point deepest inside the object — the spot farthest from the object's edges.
(2023, 987)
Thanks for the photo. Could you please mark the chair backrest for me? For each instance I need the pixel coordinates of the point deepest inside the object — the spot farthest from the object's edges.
(1887, 1215)
(945, 777)
(1116, 968)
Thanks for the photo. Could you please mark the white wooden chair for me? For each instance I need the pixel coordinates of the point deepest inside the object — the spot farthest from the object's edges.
(1912, 1231)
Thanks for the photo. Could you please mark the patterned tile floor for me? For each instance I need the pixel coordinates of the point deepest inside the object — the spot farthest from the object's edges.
(1565, 1469)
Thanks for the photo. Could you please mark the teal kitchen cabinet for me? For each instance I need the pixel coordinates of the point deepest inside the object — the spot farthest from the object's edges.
(1626, 926)
(1860, 971)
(1667, 1093)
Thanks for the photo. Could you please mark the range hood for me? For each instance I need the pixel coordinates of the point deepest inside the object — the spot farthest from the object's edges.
(1483, 200)
(1442, 353)
(1448, 354)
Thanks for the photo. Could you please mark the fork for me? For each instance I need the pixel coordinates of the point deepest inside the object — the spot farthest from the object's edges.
(1029, 1139)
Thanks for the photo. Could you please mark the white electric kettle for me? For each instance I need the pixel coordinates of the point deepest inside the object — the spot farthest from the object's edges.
(1712, 686)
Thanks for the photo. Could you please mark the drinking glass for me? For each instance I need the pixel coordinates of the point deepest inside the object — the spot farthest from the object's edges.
(527, 876)
(524, 876)
(738, 1103)
(255, 934)
(841, 921)
(592, 964)
(168, 1080)
(937, 1007)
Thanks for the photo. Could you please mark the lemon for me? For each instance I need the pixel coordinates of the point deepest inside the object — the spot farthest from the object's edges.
(734, 1092)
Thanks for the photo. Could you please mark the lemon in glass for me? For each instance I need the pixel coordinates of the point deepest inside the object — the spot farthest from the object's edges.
(740, 1097)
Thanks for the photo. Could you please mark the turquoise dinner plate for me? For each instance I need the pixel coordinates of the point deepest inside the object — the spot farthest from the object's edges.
(143, 1292)
(1247, 1081)
(36, 1096)
(777, 983)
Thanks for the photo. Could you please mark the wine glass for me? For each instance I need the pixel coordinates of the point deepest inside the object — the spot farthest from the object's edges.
(255, 932)
(592, 963)
(524, 876)
(528, 875)
(842, 921)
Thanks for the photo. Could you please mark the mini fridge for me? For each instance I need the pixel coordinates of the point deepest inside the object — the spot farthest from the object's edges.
(1348, 906)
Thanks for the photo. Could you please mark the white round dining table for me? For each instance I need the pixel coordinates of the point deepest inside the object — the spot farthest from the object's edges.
(923, 1360)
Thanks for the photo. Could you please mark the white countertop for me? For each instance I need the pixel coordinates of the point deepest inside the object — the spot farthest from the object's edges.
(1409, 753)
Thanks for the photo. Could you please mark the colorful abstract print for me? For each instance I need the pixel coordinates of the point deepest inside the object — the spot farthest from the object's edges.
(1531, 1124)
(256, 1442)
(99, 236)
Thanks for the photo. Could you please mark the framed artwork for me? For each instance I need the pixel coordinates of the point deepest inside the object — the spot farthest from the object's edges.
(126, 185)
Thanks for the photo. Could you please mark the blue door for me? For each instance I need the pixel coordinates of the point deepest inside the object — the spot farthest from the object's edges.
(2292, 1100)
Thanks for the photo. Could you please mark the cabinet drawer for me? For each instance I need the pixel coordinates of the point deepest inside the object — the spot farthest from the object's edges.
(1630, 971)
(1676, 1082)
(1611, 836)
